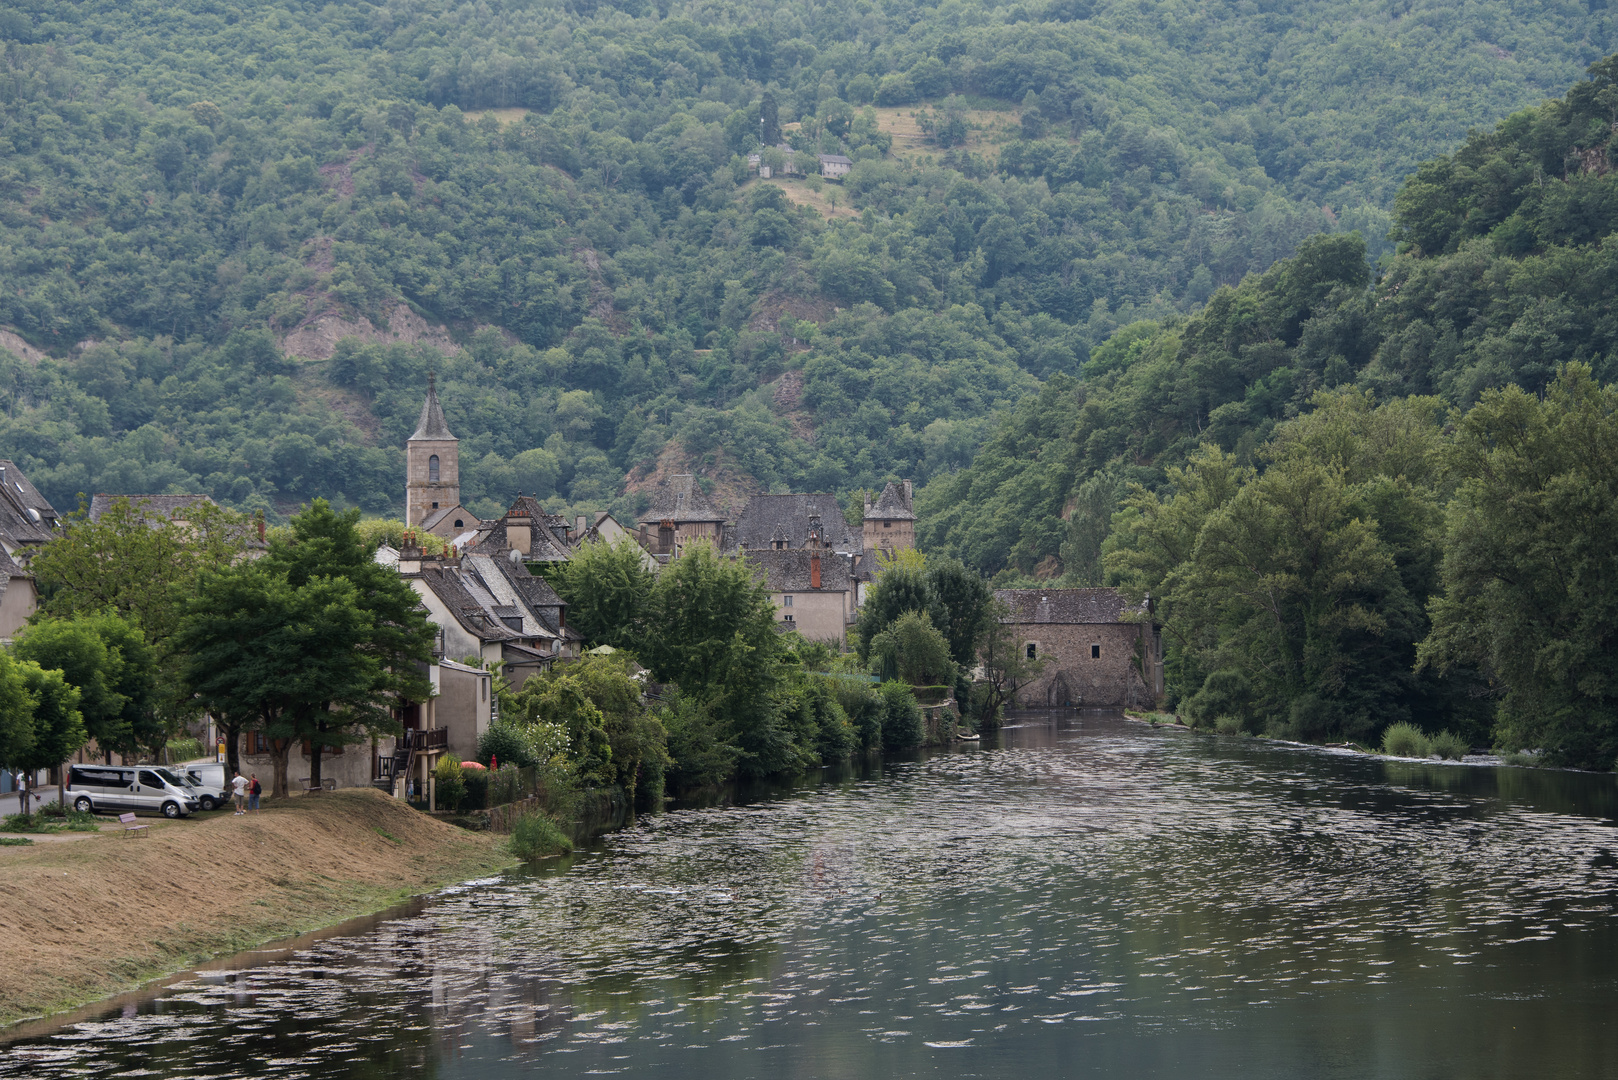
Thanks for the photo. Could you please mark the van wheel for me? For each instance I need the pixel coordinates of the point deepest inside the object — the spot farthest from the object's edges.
(206, 802)
(82, 804)
(171, 809)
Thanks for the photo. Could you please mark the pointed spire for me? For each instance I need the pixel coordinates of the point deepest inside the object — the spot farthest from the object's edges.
(432, 425)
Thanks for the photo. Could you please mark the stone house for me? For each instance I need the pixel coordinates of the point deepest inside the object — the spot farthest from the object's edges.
(27, 523)
(835, 166)
(488, 605)
(811, 587)
(890, 519)
(786, 522)
(680, 513)
(1099, 651)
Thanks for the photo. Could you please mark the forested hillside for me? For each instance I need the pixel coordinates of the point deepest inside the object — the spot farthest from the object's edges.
(1355, 499)
(196, 197)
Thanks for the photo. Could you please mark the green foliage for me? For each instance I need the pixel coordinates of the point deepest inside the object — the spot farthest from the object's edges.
(506, 743)
(1450, 746)
(901, 717)
(912, 650)
(188, 208)
(1404, 739)
(607, 588)
(1529, 562)
(449, 786)
(536, 836)
(111, 667)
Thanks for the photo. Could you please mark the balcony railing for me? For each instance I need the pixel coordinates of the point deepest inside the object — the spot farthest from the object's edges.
(425, 741)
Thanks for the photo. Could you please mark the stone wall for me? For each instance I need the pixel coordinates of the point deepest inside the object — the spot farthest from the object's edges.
(1073, 675)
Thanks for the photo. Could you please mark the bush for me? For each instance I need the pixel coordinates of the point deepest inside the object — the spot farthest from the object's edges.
(451, 785)
(1450, 746)
(1229, 725)
(506, 744)
(1405, 740)
(536, 836)
(474, 791)
(186, 749)
(901, 717)
(21, 823)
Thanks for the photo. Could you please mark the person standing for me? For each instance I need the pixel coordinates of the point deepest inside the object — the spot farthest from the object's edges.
(238, 789)
(254, 790)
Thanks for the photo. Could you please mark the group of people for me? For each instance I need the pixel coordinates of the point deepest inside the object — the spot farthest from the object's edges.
(245, 792)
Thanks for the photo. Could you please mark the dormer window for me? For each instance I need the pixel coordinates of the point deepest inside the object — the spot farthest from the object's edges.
(432, 470)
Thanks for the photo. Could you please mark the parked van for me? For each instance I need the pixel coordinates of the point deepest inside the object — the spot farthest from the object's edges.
(209, 780)
(139, 788)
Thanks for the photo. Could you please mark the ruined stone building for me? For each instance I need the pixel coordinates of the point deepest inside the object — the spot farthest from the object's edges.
(1099, 651)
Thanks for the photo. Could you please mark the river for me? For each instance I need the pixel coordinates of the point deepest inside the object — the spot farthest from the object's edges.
(1077, 896)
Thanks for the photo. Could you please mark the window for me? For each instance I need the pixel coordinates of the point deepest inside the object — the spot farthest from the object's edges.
(787, 617)
(1095, 652)
(458, 524)
(432, 470)
(887, 524)
(435, 506)
(1031, 650)
(149, 779)
(786, 601)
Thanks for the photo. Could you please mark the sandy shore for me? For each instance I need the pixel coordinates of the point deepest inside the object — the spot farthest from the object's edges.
(81, 921)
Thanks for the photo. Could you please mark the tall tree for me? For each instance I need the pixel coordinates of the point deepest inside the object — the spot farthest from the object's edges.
(1530, 565)
(607, 587)
(110, 663)
(58, 725)
(392, 640)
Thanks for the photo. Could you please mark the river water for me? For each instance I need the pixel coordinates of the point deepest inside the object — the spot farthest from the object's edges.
(1080, 896)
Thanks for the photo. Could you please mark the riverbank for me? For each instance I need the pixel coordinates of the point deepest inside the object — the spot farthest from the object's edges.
(86, 920)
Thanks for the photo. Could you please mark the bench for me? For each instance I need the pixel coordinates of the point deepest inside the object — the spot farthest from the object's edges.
(128, 822)
(327, 783)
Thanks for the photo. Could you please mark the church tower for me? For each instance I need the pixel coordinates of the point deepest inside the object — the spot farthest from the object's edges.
(432, 463)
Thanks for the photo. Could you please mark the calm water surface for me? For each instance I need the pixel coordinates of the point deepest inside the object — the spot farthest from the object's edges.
(1084, 896)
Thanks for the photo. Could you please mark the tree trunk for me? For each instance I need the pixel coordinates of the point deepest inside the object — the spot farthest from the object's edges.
(278, 760)
(316, 747)
(231, 735)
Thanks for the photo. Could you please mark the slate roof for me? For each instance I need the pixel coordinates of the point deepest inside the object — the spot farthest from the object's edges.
(157, 508)
(432, 425)
(27, 519)
(835, 159)
(431, 520)
(894, 504)
(488, 588)
(789, 570)
(1069, 607)
(679, 499)
(767, 518)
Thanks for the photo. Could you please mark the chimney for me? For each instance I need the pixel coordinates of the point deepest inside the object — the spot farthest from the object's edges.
(909, 504)
(814, 569)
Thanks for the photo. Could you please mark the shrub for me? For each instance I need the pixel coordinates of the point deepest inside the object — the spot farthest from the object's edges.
(901, 717)
(184, 749)
(506, 744)
(21, 823)
(536, 836)
(1450, 746)
(474, 791)
(451, 785)
(1405, 740)
(1229, 725)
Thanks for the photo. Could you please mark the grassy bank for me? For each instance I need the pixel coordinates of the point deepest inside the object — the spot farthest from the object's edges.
(80, 921)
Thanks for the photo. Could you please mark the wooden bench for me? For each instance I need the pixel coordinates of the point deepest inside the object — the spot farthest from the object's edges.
(327, 783)
(128, 822)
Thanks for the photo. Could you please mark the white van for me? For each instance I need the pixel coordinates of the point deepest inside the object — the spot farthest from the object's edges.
(148, 788)
(209, 780)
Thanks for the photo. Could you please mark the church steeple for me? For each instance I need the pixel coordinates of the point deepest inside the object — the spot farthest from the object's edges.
(432, 463)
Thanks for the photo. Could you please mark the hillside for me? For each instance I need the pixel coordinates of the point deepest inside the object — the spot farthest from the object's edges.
(547, 205)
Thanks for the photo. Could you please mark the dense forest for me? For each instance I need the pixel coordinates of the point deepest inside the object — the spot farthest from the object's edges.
(186, 186)
(1360, 498)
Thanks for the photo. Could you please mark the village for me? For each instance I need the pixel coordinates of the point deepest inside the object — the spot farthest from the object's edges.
(485, 587)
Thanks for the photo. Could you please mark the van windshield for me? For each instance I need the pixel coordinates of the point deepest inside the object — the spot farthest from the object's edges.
(171, 778)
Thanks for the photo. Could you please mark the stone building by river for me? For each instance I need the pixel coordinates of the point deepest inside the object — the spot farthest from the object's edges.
(1099, 651)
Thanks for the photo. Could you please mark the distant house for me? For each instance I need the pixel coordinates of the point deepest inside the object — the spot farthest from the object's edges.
(1099, 651)
(783, 522)
(789, 165)
(680, 513)
(835, 166)
(155, 509)
(27, 519)
(812, 590)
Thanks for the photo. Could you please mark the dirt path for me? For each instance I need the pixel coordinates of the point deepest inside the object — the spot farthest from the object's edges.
(85, 920)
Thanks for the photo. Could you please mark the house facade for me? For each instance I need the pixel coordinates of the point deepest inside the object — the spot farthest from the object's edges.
(680, 514)
(1098, 650)
(812, 590)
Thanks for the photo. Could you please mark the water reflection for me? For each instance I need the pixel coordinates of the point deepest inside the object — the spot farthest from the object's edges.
(1077, 895)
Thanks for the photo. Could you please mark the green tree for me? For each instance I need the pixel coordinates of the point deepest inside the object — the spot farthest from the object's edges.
(1006, 668)
(58, 726)
(911, 648)
(607, 588)
(111, 665)
(390, 638)
(1530, 565)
